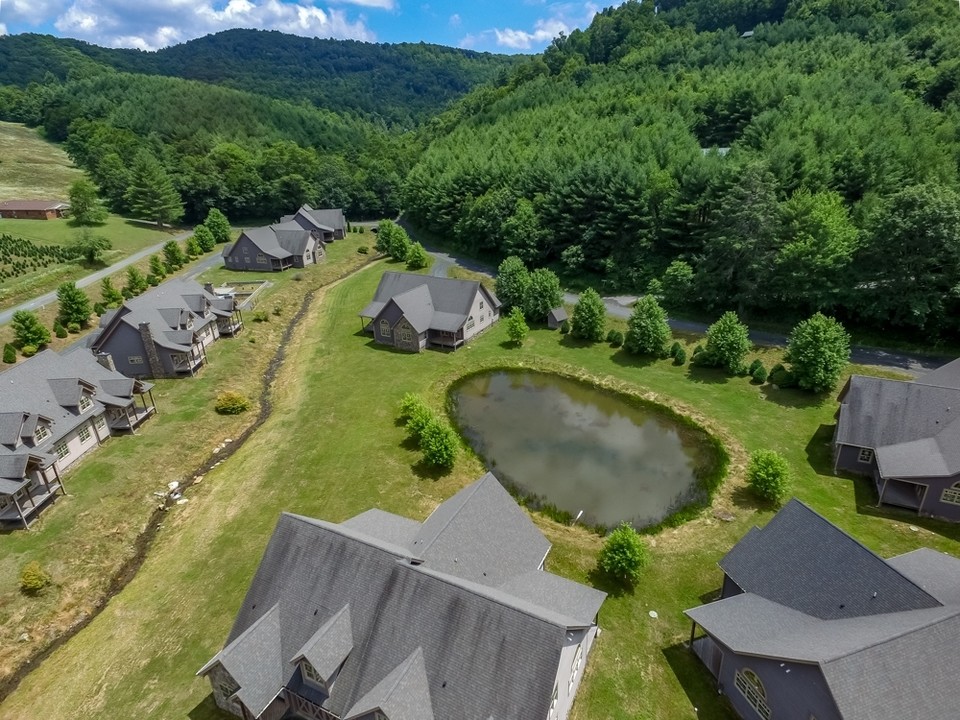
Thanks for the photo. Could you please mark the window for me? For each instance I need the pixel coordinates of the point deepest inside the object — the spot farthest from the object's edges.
(135, 359)
(85, 403)
(310, 674)
(246, 250)
(951, 494)
(865, 456)
(752, 690)
(482, 318)
(40, 434)
(406, 335)
(61, 450)
(100, 422)
(385, 328)
(553, 704)
(261, 259)
(577, 659)
(481, 304)
(470, 323)
(84, 433)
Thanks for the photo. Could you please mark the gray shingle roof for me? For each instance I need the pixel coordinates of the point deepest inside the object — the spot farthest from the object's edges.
(330, 218)
(386, 526)
(936, 572)
(447, 300)
(794, 561)
(913, 427)
(417, 632)
(11, 426)
(329, 646)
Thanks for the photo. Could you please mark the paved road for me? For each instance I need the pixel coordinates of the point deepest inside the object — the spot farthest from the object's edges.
(622, 305)
(51, 297)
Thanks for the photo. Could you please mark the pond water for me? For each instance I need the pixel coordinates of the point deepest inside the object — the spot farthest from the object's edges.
(578, 448)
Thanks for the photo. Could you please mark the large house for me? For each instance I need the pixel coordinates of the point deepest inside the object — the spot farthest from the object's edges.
(275, 248)
(33, 209)
(385, 618)
(412, 311)
(53, 410)
(906, 437)
(812, 625)
(165, 332)
(327, 224)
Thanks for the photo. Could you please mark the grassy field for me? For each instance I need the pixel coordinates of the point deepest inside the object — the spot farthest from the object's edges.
(86, 536)
(32, 168)
(331, 449)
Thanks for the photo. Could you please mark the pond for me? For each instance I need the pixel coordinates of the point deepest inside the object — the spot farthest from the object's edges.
(576, 447)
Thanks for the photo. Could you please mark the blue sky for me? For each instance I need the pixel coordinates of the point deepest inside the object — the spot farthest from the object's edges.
(488, 25)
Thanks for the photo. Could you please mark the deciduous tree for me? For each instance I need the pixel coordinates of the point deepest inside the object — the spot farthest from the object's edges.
(513, 279)
(647, 329)
(589, 320)
(728, 343)
(818, 352)
(517, 326)
(85, 205)
(90, 246)
(28, 330)
(624, 555)
(542, 294)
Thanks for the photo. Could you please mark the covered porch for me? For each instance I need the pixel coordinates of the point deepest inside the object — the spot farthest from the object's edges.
(189, 361)
(230, 325)
(22, 499)
(707, 650)
(446, 339)
(901, 493)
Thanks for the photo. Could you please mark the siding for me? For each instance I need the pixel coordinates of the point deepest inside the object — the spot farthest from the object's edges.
(125, 342)
(75, 445)
(568, 654)
(847, 458)
(932, 505)
(240, 260)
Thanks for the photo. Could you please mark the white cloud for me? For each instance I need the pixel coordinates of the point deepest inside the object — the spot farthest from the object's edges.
(151, 24)
(3, 29)
(381, 4)
(455, 20)
(563, 18)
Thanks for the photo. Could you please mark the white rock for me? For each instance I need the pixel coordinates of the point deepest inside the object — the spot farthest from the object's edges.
(173, 485)
(653, 614)
(914, 528)
(182, 501)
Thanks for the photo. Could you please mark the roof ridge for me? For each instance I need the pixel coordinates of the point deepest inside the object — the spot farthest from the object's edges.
(473, 487)
(406, 665)
(901, 633)
(357, 535)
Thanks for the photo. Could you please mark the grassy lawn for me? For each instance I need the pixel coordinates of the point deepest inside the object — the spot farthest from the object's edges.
(32, 168)
(331, 449)
(85, 537)
(125, 236)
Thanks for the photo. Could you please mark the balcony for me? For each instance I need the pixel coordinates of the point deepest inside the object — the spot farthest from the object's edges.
(28, 502)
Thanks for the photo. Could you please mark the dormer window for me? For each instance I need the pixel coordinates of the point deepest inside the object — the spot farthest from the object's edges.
(40, 434)
(85, 403)
(310, 675)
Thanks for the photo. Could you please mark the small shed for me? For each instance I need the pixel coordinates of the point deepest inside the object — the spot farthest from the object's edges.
(556, 317)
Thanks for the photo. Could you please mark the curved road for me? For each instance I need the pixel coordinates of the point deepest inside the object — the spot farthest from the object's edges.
(622, 305)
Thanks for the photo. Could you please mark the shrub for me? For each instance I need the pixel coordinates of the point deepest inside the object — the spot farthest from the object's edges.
(9, 354)
(261, 316)
(754, 365)
(28, 330)
(277, 310)
(781, 377)
(564, 327)
(409, 404)
(680, 358)
(417, 258)
(363, 250)
(624, 555)
(727, 343)
(298, 277)
(153, 280)
(99, 308)
(674, 349)
(29, 350)
(819, 350)
(648, 332)
(420, 417)
(759, 374)
(33, 578)
(73, 328)
(439, 443)
(768, 475)
(615, 338)
(363, 229)
(59, 330)
(231, 403)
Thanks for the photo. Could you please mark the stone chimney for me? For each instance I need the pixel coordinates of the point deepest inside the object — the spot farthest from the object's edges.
(150, 349)
(209, 288)
(106, 359)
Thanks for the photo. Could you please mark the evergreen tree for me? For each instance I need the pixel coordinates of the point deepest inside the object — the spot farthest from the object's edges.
(136, 282)
(85, 205)
(109, 294)
(542, 295)
(28, 331)
(74, 305)
(157, 268)
(647, 329)
(728, 343)
(219, 226)
(89, 246)
(589, 317)
(513, 279)
(193, 247)
(173, 255)
(151, 194)
(205, 239)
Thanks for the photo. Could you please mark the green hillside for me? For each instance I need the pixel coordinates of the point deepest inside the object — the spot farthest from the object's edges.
(607, 156)
(31, 167)
(399, 84)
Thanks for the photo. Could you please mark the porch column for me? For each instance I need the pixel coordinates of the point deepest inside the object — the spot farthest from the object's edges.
(56, 474)
(30, 498)
(43, 477)
(882, 491)
(130, 423)
(926, 490)
(152, 401)
(23, 518)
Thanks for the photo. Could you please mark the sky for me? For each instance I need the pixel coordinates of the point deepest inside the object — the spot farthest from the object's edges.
(506, 26)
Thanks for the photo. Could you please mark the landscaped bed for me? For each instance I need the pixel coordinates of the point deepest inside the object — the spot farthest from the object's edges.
(332, 449)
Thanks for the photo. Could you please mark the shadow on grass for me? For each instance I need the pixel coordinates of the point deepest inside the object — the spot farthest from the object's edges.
(743, 498)
(425, 471)
(569, 341)
(410, 442)
(866, 498)
(208, 710)
(611, 586)
(794, 397)
(698, 684)
(710, 596)
(626, 359)
(820, 451)
(707, 376)
(510, 345)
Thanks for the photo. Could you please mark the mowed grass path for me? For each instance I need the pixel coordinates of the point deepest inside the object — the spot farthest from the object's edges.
(332, 449)
(32, 168)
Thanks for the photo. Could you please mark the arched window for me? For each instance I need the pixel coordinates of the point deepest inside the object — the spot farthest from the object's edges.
(385, 328)
(752, 689)
(951, 494)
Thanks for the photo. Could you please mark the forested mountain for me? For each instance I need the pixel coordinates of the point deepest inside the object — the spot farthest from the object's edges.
(399, 84)
(608, 155)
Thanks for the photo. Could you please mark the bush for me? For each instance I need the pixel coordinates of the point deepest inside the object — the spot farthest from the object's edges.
(153, 280)
(680, 358)
(261, 316)
(33, 578)
(564, 327)
(754, 365)
(363, 250)
(231, 403)
(9, 354)
(363, 229)
(759, 374)
(615, 338)
(624, 555)
(298, 277)
(781, 377)
(648, 332)
(727, 344)
(439, 443)
(819, 350)
(674, 349)
(420, 417)
(277, 310)
(29, 350)
(768, 475)
(410, 403)
(59, 330)
(73, 328)
(99, 308)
